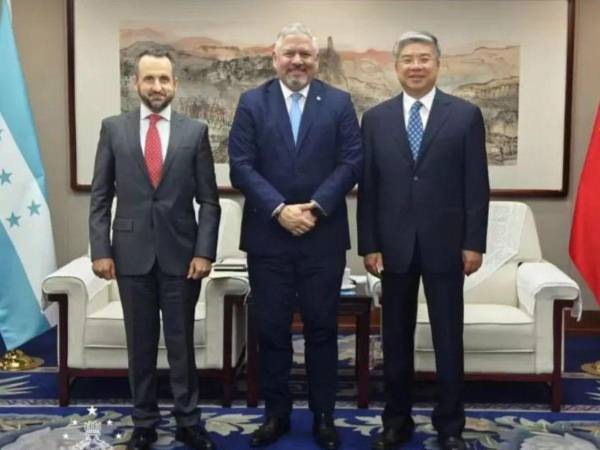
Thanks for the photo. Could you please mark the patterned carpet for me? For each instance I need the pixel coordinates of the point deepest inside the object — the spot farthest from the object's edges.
(501, 415)
(38, 428)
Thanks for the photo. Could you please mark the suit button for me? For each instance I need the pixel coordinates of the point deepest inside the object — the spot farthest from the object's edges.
(416, 178)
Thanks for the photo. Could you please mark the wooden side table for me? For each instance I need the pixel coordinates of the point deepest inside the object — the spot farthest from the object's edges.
(357, 305)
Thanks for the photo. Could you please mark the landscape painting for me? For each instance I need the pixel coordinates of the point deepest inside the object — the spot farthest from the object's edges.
(212, 73)
(512, 58)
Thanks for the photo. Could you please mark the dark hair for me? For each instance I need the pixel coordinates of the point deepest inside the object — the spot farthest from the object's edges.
(156, 53)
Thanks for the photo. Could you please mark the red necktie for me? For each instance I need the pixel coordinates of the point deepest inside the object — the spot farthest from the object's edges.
(153, 153)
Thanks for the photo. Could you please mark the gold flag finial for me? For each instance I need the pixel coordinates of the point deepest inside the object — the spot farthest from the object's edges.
(592, 368)
(16, 360)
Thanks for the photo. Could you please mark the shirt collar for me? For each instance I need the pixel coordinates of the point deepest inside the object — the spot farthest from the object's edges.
(426, 100)
(165, 113)
(287, 92)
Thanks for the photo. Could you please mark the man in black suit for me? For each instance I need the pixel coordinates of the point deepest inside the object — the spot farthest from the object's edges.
(156, 162)
(422, 213)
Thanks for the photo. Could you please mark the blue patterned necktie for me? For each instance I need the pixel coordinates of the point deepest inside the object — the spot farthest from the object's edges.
(295, 115)
(415, 129)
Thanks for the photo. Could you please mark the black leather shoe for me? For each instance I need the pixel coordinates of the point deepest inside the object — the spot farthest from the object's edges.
(392, 438)
(194, 437)
(324, 432)
(451, 443)
(142, 438)
(270, 431)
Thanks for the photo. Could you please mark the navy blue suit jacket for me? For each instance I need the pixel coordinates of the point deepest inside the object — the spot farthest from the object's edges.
(441, 201)
(269, 169)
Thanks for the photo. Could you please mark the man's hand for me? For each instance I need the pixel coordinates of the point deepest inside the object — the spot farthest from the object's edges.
(374, 263)
(471, 261)
(199, 268)
(104, 268)
(297, 219)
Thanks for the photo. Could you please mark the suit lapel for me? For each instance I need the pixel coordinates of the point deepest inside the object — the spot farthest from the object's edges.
(175, 137)
(316, 97)
(437, 117)
(280, 115)
(398, 127)
(133, 137)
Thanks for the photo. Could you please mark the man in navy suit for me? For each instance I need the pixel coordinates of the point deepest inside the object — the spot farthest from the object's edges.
(295, 152)
(422, 213)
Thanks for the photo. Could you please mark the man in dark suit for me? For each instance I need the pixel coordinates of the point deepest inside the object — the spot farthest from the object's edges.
(422, 213)
(156, 162)
(295, 152)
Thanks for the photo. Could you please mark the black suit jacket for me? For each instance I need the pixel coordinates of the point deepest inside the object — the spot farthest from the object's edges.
(153, 225)
(441, 201)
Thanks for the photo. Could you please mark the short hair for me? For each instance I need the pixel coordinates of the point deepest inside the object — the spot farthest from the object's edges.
(156, 52)
(412, 37)
(295, 29)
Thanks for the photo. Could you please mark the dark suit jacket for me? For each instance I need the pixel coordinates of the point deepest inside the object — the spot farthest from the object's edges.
(441, 201)
(269, 169)
(153, 225)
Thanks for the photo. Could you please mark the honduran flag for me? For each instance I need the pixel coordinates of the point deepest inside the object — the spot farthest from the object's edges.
(26, 243)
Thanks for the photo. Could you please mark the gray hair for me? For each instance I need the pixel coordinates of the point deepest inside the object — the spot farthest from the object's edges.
(412, 37)
(295, 29)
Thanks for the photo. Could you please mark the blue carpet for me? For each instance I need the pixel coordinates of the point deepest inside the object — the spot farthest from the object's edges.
(63, 428)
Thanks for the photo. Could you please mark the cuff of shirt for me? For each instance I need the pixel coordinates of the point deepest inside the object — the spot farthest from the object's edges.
(277, 210)
(319, 208)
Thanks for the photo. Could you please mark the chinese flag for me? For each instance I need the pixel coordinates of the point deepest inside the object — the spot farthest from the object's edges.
(584, 246)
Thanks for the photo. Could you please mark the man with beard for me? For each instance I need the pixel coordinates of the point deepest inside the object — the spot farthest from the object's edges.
(156, 162)
(295, 152)
(422, 214)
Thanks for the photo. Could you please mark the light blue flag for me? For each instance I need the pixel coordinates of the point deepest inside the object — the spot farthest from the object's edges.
(26, 244)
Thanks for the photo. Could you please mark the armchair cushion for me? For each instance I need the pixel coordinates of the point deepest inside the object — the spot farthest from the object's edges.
(104, 328)
(487, 328)
(543, 281)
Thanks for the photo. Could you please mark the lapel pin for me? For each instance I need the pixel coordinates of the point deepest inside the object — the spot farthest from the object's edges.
(318, 98)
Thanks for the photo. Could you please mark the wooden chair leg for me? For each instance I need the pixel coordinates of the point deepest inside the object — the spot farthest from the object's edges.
(557, 325)
(63, 388)
(228, 374)
(252, 355)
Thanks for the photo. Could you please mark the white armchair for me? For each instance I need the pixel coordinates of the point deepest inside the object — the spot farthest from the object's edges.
(514, 308)
(92, 334)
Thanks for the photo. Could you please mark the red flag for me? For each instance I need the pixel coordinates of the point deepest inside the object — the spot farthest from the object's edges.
(584, 246)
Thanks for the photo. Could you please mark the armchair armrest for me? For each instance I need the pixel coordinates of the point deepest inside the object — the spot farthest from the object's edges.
(72, 286)
(215, 291)
(543, 281)
(542, 289)
(75, 279)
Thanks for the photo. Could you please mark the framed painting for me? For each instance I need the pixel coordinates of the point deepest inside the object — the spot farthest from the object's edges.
(512, 58)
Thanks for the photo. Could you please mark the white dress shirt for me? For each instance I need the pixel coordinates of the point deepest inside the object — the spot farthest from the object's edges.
(163, 126)
(426, 100)
(287, 95)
